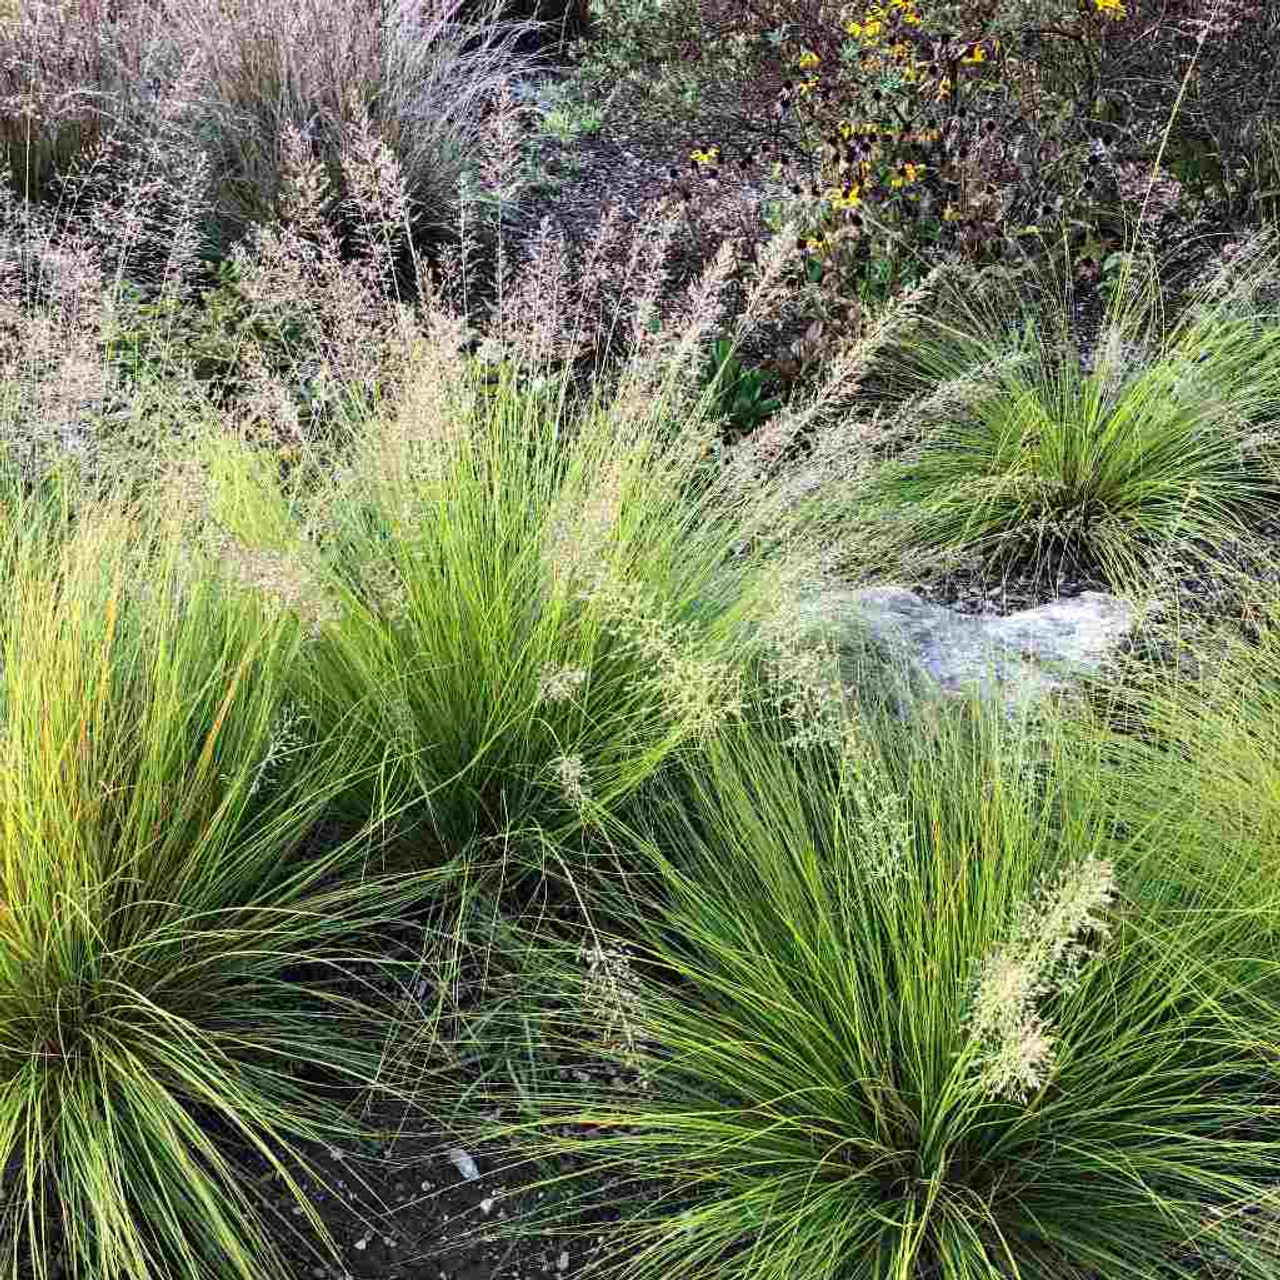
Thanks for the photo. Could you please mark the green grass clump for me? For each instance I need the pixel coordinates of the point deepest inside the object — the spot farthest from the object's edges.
(156, 783)
(911, 1009)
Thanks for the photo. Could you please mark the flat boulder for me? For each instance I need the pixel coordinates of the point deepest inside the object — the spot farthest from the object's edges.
(936, 650)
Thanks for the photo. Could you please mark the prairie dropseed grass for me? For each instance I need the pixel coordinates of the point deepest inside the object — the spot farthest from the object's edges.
(878, 1053)
(154, 782)
(1044, 449)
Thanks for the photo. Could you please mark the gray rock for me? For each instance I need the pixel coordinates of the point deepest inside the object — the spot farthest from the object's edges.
(932, 650)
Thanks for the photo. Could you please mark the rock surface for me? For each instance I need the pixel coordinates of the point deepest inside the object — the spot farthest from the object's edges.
(941, 652)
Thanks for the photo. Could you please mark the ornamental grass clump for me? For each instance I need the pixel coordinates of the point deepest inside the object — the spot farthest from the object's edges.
(156, 786)
(228, 80)
(897, 1009)
(1003, 443)
(528, 609)
(530, 628)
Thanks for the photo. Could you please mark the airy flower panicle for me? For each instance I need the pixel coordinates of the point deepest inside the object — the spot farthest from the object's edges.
(613, 996)
(1016, 1056)
(556, 685)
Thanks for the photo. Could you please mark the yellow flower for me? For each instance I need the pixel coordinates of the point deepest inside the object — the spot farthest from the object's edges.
(1111, 7)
(808, 59)
(979, 55)
(836, 195)
(910, 173)
(705, 157)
